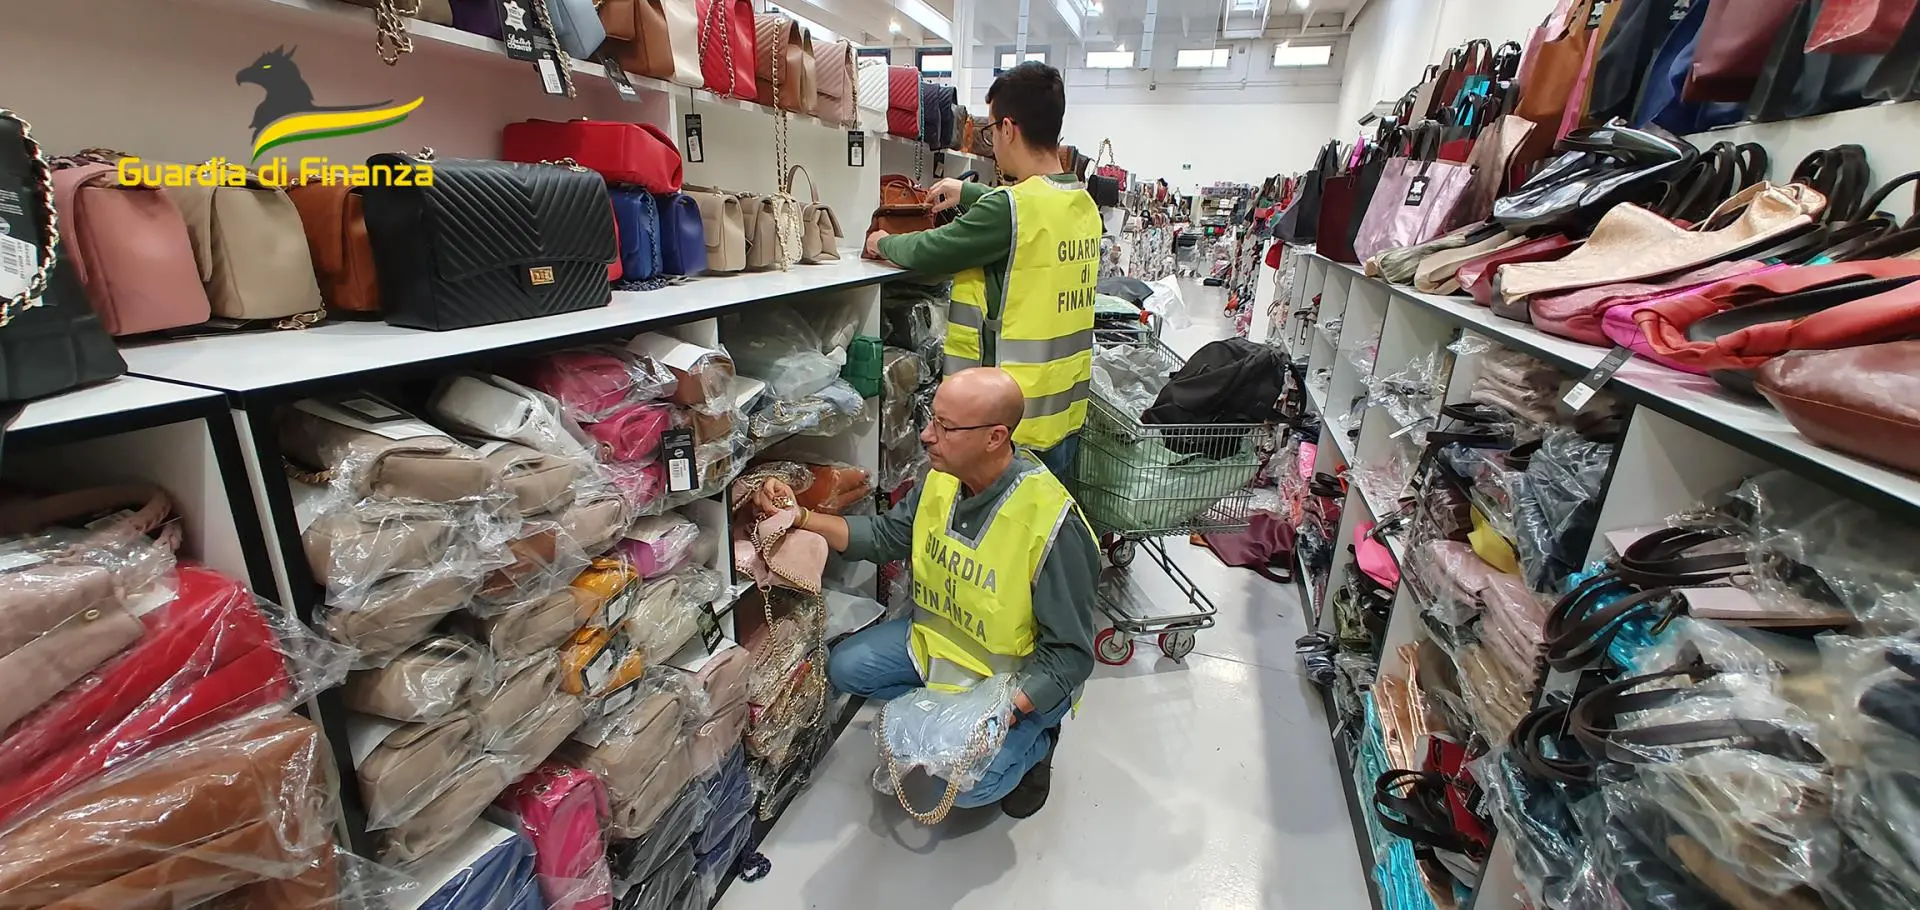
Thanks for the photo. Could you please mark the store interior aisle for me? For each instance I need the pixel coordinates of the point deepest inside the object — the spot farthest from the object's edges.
(1208, 784)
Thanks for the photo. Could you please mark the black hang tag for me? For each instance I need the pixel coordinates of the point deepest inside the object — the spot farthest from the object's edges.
(710, 628)
(516, 29)
(695, 152)
(856, 148)
(939, 164)
(1590, 384)
(1417, 190)
(678, 445)
(622, 83)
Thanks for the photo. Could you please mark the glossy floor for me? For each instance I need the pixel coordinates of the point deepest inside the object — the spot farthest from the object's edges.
(1207, 784)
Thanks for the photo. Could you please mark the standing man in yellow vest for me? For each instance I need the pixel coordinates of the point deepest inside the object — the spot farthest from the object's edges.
(1024, 260)
(1004, 569)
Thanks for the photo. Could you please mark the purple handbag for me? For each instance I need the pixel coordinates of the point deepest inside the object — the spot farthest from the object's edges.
(1266, 547)
(481, 17)
(1415, 199)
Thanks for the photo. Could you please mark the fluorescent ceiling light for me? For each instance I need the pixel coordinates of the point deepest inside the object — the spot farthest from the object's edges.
(1121, 47)
(1303, 4)
(893, 26)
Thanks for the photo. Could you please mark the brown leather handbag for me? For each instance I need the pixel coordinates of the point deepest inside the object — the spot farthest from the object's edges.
(251, 248)
(903, 207)
(638, 36)
(979, 137)
(336, 227)
(1553, 70)
(836, 91)
(783, 70)
(1735, 40)
(1864, 401)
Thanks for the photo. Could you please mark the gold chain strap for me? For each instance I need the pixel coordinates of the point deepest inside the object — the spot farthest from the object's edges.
(320, 478)
(979, 749)
(715, 10)
(299, 321)
(919, 163)
(50, 224)
(563, 62)
(853, 87)
(785, 233)
(391, 38)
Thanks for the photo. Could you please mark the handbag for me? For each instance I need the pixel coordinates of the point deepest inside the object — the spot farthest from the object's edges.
(1553, 71)
(949, 735)
(1661, 103)
(538, 482)
(1795, 84)
(479, 17)
(448, 815)
(683, 237)
(561, 810)
(428, 682)
(1583, 314)
(638, 223)
(129, 246)
(1104, 190)
(1858, 400)
(727, 47)
(1618, 73)
(334, 216)
(644, 763)
(772, 225)
(1897, 77)
(819, 229)
(639, 154)
(1438, 272)
(930, 134)
(1110, 169)
(1476, 275)
(402, 767)
(782, 73)
(1733, 47)
(1415, 197)
(723, 227)
(836, 89)
(1298, 223)
(873, 94)
(1858, 26)
(637, 35)
(633, 433)
(981, 143)
(1337, 201)
(903, 102)
(495, 407)
(391, 38)
(537, 626)
(251, 249)
(544, 248)
(1487, 168)
(903, 207)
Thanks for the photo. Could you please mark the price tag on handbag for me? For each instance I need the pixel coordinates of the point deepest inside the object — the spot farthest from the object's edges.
(939, 164)
(678, 445)
(1590, 384)
(856, 148)
(710, 628)
(514, 30)
(695, 153)
(622, 83)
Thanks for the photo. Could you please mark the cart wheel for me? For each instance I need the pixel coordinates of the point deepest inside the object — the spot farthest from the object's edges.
(1176, 645)
(1112, 647)
(1122, 552)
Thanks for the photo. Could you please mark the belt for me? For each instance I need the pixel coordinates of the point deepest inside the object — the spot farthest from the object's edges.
(1648, 575)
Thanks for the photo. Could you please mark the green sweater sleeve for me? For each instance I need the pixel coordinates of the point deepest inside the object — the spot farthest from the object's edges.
(983, 234)
(971, 192)
(1063, 609)
(883, 538)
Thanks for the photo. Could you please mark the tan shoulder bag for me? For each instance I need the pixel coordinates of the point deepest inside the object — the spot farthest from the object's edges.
(819, 228)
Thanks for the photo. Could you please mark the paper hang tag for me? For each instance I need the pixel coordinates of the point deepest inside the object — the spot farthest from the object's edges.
(677, 443)
(856, 148)
(696, 153)
(549, 67)
(1598, 13)
(622, 83)
(515, 30)
(710, 628)
(939, 164)
(1417, 190)
(1591, 384)
(18, 261)
(1680, 10)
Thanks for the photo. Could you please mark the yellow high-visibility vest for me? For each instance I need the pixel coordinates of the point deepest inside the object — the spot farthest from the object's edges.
(1044, 333)
(973, 591)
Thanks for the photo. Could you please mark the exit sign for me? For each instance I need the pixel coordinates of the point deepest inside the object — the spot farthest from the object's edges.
(1186, 167)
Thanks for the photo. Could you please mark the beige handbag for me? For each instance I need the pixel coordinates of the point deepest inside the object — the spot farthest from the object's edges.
(594, 520)
(251, 248)
(428, 682)
(521, 690)
(626, 759)
(397, 612)
(389, 457)
(773, 230)
(683, 32)
(528, 743)
(1631, 243)
(538, 481)
(819, 229)
(1435, 273)
(540, 624)
(836, 91)
(783, 72)
(474, 786)
(725, 227)
(349, 548)
(403, 767)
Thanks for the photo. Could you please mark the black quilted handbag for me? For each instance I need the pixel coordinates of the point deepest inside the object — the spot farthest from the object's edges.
(930, 115)
(489, 241)
(50, 338)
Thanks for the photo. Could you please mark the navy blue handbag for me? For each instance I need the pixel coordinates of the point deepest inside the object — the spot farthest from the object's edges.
(683, 235)
(486, 868)
(639, 223)
(1660, 97)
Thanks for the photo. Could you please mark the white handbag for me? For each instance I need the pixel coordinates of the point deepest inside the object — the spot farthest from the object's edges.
(498, 408)
(873, 95)
(683, 32)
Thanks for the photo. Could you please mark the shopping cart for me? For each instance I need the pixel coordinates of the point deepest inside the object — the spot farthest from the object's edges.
(1139, 482)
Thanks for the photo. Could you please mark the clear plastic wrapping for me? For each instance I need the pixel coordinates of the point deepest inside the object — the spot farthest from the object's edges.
(666, 611)
(658, 544)
(703, 376)
(639, 750)
(1131, 376)
(470, 788)
(481, 866)
(545, 559)
(1410, 394)
(1556, 516)
(635, 860)
(561, 811)
(1812, 549)
(512, 693)
(776, 344)
(1535, 819)
(365, 447)
(397, 612)
(495, 407)
(403, 766)
(241, 815)
(594, 381)
(426, 682)
(951, 736)
(534, 626)
(784, 632)
(835, 408)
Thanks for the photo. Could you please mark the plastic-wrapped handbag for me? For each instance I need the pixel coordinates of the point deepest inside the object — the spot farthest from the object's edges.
(949, 735)
(561, 810)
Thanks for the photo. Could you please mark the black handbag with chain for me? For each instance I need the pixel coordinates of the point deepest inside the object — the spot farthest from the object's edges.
(489, 241)
(51, 340)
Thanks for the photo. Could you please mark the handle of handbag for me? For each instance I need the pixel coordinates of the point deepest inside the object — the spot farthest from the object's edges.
(49, 225)
(1839, 173)
(1506, 61)
(1479, 58)
(1104, 151)
(812, 189)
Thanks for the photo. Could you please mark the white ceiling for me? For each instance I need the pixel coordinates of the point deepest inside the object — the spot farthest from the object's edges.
(866, 22)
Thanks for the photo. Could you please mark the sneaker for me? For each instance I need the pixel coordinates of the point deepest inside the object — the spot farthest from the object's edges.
(1030, 794)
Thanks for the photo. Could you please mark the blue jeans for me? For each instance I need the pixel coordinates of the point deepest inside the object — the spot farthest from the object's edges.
(878, 664)
(1059, 459)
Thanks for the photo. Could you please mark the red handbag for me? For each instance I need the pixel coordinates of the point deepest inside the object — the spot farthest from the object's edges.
(1665, 323)
(1859, 26)
(633, 433)
(1333, 236)
(561, 810)
(639, 154)
(1476, 275)
(903, 101)
(206, 657)
(727, 48)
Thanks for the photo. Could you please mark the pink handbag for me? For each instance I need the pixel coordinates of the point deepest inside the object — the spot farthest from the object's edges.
(1413, 200)
(1578, 314)
(561, 810)
(131, 250)
(774, 553)
(1374, 558)
(639, 484)
(589, 384)
(1620, 327)
(633, 433)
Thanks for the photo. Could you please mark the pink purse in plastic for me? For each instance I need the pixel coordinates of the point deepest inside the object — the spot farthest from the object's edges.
(589, 384)
(633, 433)
(1374, 558)
(561, 810)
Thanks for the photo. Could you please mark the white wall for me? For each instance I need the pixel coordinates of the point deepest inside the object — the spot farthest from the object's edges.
(1394, 41)
(1222, 141)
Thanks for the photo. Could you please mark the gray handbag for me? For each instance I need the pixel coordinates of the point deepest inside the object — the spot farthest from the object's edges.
(577, 24)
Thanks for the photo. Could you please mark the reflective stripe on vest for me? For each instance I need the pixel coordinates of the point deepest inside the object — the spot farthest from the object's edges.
(1044, 336)
(973, 590)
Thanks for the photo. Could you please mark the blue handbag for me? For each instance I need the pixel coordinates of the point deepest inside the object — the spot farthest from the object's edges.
(683, 235)
(486, 868)
(1661, 103)
(729, 797)
(639, 223)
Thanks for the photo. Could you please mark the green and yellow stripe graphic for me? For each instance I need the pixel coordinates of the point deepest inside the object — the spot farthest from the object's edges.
(326, 124)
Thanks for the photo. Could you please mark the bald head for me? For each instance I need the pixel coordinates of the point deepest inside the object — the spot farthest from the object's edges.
(985, 395)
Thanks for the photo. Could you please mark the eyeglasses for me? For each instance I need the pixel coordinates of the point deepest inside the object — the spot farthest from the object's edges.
(942, 429)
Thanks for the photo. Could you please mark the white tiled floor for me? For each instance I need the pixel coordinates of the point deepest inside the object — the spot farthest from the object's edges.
(1208, 784)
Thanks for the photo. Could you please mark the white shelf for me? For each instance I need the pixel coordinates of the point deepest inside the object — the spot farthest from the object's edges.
(259, 361)
(1695, 401)
(1319, 399)
(114, 397)
(973, 162)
